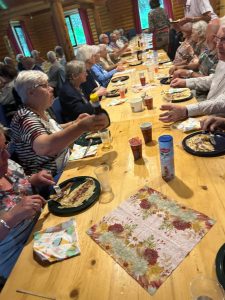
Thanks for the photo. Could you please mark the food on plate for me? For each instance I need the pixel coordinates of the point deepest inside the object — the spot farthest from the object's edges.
(177, 95)
(75, 197)
(200, 142)
(135, 63)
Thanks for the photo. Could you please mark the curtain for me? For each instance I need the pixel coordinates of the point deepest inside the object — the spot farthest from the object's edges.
(13, 41)
(137, 22)
(169, 8)
(86, 26)
(28, 40)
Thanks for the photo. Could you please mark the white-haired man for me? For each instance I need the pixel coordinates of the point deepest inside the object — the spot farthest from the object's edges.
(215, 84)
(56, 73)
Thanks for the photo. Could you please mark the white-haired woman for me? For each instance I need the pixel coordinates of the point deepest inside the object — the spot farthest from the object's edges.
(56, 73)
(86, 55)
(72, 99)
(39, 142)
(19, 207)
(101, 75)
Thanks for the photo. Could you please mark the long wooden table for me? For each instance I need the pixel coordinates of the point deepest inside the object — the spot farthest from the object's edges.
(94, 275)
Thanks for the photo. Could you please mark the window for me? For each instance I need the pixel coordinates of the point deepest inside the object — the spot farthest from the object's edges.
(20, 38)
(75, 29)
(144, 8)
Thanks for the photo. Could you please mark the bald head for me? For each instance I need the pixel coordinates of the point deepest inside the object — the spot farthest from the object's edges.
(211, 31)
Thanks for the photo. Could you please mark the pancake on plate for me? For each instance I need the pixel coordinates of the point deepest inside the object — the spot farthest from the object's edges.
(183, 94)
(200, 143)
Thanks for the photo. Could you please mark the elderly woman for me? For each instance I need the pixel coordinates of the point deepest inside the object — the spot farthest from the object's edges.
(85, 54)
(198, 38)
(105, 60)
(158, 25)
(19, 207)
(39, 142)
(71, 97)
(101, 75)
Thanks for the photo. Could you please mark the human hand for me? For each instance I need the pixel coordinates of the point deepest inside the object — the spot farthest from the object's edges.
(172, 70)
(26, 208)
(41, 178)
(178, 82)
(212, 123)
(120, 68)
(182, 73)
(184, 20)
(101, 91)
(173, 113)
(94, 123)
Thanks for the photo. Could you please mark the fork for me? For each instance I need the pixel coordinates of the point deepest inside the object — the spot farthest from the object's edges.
(211, 137)
(88, 147)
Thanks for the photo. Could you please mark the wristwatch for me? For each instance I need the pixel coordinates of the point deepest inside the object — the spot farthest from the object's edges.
(190, 72)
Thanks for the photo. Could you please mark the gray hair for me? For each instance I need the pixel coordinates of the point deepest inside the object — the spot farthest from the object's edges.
(51, 56)
(200, 27)
(34, 53)
(102, 36)
(95, 49)
(74, 67)
(84, 53)
(19, 57)
(27, 80)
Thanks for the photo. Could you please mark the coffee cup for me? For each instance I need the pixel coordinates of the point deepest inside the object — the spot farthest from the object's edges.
(136, 105)
(146, 129)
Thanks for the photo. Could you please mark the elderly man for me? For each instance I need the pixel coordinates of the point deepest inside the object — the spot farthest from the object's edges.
(207, 61)
(56, 73)
(197, 10)
(215, 84)
(105, 60)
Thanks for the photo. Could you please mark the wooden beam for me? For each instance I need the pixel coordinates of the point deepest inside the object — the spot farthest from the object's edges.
(98, 24)
(61, 29)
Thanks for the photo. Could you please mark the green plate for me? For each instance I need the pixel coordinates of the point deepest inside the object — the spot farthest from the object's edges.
(54, 206)
(82, 141)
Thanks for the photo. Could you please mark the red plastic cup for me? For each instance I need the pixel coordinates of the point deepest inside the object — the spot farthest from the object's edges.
(122, 92)
(146, 129)
(148, 102)
(136, 147)
(143, 80)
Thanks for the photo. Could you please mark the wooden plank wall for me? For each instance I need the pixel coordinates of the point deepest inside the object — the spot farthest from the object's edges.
(115, 14)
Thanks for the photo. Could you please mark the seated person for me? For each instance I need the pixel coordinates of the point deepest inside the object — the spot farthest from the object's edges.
(214, 83)
(19, 207)
(56, 73)
(28, 64)
(37, 58)
(85, 54)
(38, 140)
(72, 100)
(7, 100)
(208, 60)
(105, 60)
(198, 36)
(101, 75)
(175, 39)
(60, 55)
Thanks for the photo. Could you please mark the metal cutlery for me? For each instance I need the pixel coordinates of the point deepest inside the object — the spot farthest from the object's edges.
(88, 147)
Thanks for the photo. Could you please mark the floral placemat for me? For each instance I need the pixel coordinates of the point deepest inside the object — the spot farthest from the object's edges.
(57, 243)
(149, 235)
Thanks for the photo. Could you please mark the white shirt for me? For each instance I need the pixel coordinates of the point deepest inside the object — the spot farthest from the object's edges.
(196, 8)
(215, 83)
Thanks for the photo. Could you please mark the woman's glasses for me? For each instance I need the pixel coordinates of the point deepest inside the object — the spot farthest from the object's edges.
(44, 85)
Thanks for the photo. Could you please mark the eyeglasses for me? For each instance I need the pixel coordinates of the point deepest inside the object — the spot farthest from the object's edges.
(219, 40)
(44, 85)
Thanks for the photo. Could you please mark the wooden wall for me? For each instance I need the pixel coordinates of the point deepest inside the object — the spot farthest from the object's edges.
(115, 14)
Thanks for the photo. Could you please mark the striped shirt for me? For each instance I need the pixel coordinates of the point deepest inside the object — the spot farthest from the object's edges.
(26, 126)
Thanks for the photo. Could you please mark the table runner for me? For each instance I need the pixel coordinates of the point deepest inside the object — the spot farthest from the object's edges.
(149, 235)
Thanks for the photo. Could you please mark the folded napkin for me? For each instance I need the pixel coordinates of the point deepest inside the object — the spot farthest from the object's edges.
(139, 88)
(79, 151)
(116, 102)
(57, 243)
(125, 72)
(177, 90)
(188, 125)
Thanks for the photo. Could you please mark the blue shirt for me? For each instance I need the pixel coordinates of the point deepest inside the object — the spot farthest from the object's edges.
(101, 75)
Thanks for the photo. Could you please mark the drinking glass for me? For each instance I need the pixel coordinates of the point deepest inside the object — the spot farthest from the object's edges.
(102, 174)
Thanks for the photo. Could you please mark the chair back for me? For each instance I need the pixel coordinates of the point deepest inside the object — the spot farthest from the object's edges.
(57, 108)
(3, 119)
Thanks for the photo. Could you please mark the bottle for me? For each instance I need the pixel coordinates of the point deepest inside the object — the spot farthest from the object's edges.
(166, 157)
(139, 51)
(94, 99)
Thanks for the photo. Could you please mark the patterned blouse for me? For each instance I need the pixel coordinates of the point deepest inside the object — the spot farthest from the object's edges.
(20, 187)
(158, 19)
(26, 126)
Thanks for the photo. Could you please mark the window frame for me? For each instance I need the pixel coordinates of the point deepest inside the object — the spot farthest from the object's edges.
(14, 25)
(68, 14)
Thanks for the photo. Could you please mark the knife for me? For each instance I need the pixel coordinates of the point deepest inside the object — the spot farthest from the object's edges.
(88, 147)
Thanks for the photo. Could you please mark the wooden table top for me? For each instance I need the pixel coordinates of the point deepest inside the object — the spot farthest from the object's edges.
(94, 275)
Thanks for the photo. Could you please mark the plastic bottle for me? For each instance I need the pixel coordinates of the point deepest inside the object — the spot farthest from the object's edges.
(94, 99)
(166, 157)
